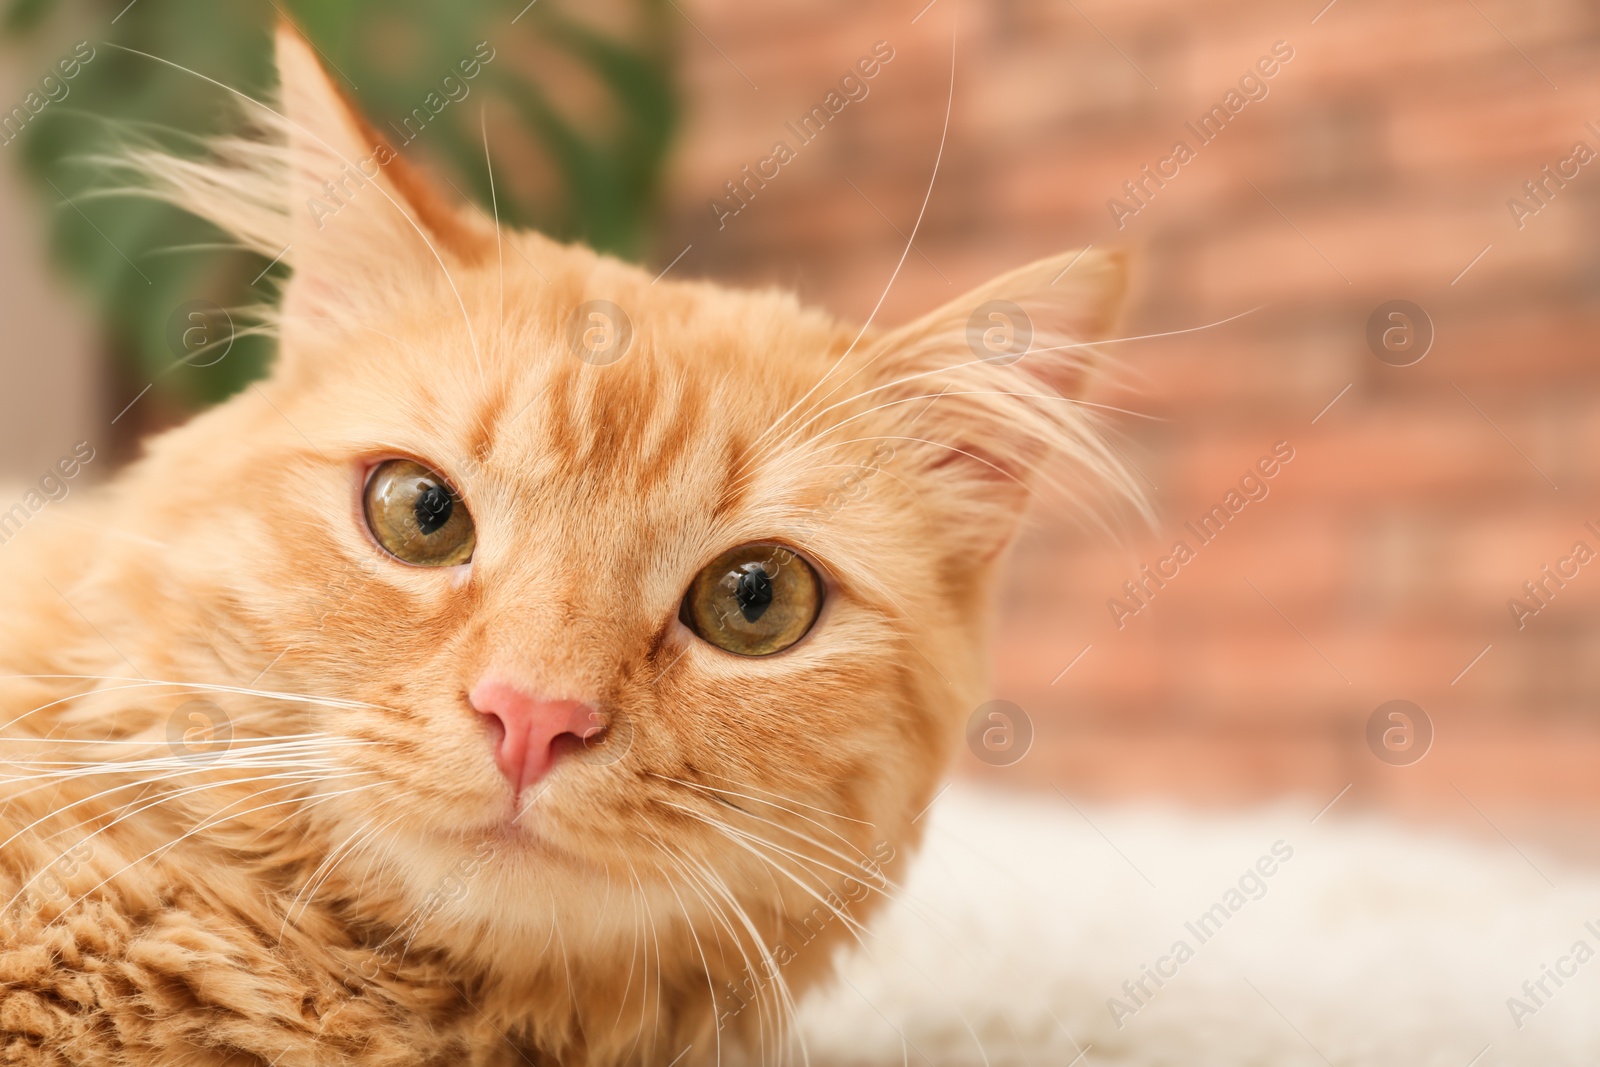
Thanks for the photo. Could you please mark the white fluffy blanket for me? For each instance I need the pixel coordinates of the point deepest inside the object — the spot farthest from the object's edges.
(1035, 932)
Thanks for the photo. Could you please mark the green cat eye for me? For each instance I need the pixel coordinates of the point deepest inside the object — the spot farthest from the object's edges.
(753, 600)
(416, 515)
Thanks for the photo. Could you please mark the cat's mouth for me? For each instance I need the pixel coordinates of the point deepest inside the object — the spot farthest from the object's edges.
(522, 837)
(524, 822)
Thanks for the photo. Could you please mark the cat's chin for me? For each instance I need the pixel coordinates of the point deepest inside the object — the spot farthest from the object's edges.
(521, 834)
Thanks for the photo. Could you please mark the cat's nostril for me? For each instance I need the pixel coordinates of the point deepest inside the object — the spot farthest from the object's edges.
(568, 743)
(497, 731)
(527, 734)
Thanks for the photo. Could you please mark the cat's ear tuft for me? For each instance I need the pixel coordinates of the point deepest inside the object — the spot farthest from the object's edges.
(1043, 318)
(990, 389)
(357, 209)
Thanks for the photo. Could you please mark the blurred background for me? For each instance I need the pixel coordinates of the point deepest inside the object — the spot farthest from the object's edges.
(1441, 459)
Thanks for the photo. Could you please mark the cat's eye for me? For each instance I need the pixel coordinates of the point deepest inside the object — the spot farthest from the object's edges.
(416, 515)
(753, 600)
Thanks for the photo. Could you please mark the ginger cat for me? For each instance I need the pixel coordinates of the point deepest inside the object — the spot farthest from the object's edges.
(506, 679)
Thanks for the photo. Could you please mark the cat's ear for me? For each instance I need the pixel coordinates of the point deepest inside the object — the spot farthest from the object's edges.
(359, 212)
(988, 392)
(1042, 318)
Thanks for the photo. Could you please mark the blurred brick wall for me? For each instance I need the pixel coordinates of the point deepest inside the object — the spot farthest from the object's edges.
(1378, 167)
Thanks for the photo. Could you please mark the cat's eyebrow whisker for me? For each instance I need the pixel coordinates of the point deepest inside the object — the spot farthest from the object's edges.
(1151, 336)
(494, 203)
(331, 320)
(970, 455)
(1090, 443)
(793, 433)
(1054, 397)
(811, 417)
(905, 253)
(814, 413)
(820, 446)
(267, 325)
(820, 440)
(879, 472)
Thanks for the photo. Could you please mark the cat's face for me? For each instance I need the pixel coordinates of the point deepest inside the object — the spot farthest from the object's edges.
(594, 496)
(453, 482)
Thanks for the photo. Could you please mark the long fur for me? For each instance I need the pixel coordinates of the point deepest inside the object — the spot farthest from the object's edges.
(341, 877)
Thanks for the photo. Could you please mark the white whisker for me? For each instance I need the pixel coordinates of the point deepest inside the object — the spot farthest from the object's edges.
(689, 923)
(208, 824)
(910, 241)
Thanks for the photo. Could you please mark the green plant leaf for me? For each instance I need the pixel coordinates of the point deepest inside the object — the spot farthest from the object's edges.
(140, 260)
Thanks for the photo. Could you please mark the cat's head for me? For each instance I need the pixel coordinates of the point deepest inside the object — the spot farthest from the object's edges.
(638, 589)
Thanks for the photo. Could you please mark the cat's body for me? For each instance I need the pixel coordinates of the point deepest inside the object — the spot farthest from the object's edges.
(276, 789)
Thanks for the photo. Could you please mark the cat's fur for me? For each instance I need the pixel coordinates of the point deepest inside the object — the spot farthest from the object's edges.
(342, 884)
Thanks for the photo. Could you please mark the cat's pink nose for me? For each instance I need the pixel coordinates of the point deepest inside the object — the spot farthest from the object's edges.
(529, 733)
